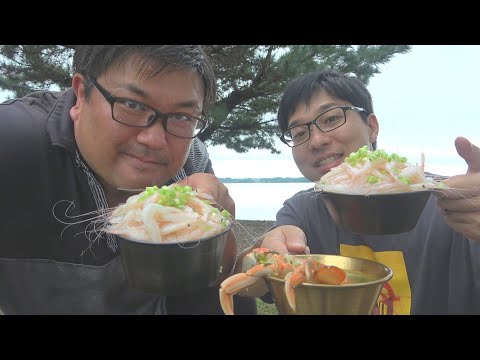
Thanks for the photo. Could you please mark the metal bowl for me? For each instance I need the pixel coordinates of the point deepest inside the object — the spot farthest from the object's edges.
(378, 214)
(358, 298)
(173, 269)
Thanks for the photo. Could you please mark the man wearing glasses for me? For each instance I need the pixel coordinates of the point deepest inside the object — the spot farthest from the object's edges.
(325, 116)
(131, 120)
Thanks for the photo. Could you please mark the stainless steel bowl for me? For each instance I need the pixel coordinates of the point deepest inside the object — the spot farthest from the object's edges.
(378, 214)
(351, 299)
(173, 268)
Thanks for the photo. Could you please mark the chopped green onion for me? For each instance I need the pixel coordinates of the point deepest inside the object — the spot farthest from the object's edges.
(363, 155)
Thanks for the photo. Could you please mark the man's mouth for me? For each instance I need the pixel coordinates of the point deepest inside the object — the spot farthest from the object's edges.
(147, 160)
(327, 160)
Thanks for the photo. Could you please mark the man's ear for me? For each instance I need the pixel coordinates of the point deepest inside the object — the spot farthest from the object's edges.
(78, 86)
(372, 123)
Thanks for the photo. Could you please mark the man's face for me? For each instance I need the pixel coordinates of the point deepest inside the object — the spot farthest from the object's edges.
(130, 157)
(326, 150)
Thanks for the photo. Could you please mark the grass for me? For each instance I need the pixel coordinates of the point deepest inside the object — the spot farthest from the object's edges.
(266, 309)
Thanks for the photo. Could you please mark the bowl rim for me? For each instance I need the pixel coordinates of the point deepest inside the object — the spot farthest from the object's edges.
(346, 286)
(378, 195)
(176, 243)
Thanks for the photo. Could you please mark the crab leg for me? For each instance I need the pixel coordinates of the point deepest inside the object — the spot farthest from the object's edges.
(293, 279)
(230, 287)
(271, 263)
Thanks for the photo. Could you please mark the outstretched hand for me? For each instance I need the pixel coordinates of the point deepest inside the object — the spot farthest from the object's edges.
(460, 203)
(286, 239)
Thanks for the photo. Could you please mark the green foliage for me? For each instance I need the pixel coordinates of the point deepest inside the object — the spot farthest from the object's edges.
(266, 309)
(251, 79)
(26, 68)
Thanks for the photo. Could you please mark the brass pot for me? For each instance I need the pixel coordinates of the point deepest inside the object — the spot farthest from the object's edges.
(358, 298)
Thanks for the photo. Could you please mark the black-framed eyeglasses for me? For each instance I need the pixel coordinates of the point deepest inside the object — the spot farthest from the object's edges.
(134, 113)
(329, 120)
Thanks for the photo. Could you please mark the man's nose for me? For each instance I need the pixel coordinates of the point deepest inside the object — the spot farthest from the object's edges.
(153, 136)
(318, 138)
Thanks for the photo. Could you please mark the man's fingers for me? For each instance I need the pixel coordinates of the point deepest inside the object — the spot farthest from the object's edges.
(469, 152)
(296, 239)
(216, 191)
(286, 239)
(275, 244)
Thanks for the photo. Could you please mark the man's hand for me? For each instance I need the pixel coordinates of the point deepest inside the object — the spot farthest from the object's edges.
(210, 185)
(286, 239)
(460, 203)
(283, 239)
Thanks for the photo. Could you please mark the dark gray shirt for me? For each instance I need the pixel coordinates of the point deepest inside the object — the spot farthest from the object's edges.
(436, 270)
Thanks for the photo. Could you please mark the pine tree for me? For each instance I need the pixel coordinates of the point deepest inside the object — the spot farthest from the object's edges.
(251, 79)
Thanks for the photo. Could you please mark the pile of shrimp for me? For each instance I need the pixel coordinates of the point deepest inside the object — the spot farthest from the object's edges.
(374, 172)
(168, 214)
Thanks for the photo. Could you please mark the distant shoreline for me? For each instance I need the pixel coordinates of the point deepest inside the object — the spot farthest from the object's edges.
(279, 180)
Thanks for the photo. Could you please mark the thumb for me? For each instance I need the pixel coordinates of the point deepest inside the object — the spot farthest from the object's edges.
(470, 153)
(296, 240)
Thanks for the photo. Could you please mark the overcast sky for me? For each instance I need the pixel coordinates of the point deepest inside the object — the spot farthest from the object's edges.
(423, 100)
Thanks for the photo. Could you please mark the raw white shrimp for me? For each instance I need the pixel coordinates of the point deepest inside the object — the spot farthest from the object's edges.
(167, 214)
(367, 172)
